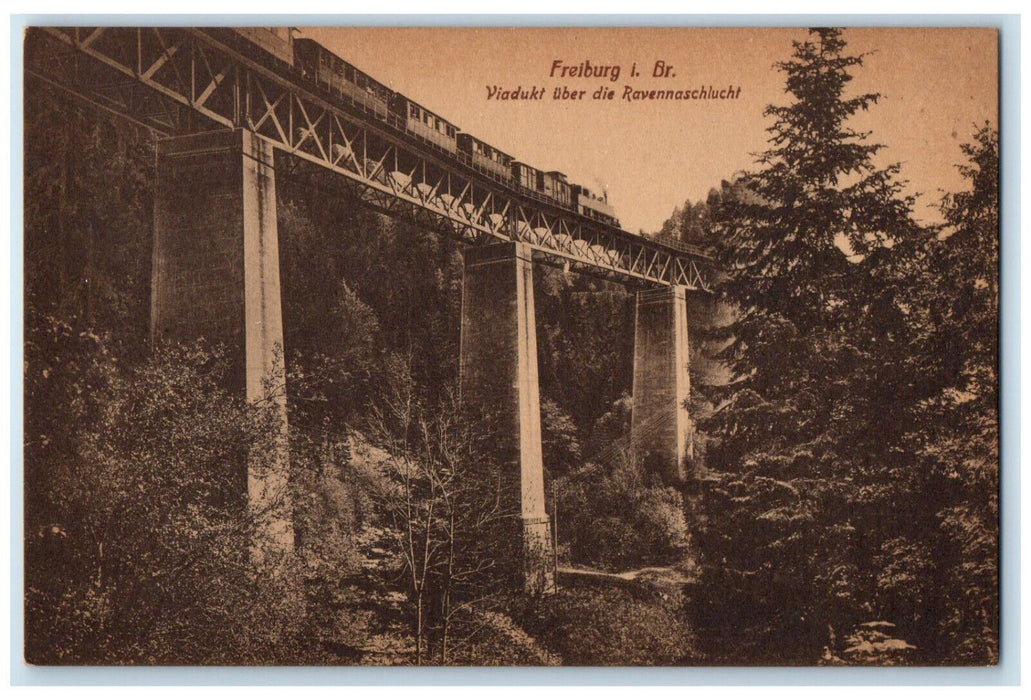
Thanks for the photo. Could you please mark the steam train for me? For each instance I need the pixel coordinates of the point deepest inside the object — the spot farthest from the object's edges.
(346, 82)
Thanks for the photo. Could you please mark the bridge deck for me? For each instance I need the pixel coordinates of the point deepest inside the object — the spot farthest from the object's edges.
(179, 80)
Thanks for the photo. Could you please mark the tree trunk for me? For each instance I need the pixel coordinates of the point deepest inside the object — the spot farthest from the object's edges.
(418, 630)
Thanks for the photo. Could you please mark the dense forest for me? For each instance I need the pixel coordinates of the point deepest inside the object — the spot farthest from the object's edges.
(845, 390)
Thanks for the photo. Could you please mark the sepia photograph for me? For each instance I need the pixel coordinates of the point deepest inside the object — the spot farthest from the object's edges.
(511, 346)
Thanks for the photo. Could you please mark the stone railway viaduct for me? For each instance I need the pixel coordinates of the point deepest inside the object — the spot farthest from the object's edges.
(225, 107)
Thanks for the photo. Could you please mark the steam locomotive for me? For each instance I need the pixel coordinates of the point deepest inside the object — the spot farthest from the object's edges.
(346, 82)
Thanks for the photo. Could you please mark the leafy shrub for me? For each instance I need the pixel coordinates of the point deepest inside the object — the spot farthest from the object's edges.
(613, 626)
(138, 547)
(617, 518)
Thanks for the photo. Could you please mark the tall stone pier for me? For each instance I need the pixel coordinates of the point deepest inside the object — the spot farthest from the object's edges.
(499, 387)
(216, 276)
(660, 431)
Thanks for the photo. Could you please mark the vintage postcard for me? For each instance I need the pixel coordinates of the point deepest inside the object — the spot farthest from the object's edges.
(511, 346)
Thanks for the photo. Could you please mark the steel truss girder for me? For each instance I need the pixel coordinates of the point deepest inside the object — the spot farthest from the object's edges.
(178, 80)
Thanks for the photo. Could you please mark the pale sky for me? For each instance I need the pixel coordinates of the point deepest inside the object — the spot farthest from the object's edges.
(936, 85)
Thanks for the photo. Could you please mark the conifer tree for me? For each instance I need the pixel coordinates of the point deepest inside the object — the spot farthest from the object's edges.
(783, 553)
(954, 432)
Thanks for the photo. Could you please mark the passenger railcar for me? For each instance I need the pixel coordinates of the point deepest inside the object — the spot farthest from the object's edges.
(424, 124)
(485, 157)
(555, 185)
(341, 78)
(551, 185)
(525, 175)
(277, 41)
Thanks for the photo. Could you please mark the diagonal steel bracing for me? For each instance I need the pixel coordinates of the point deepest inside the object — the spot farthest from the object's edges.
(179, 80)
